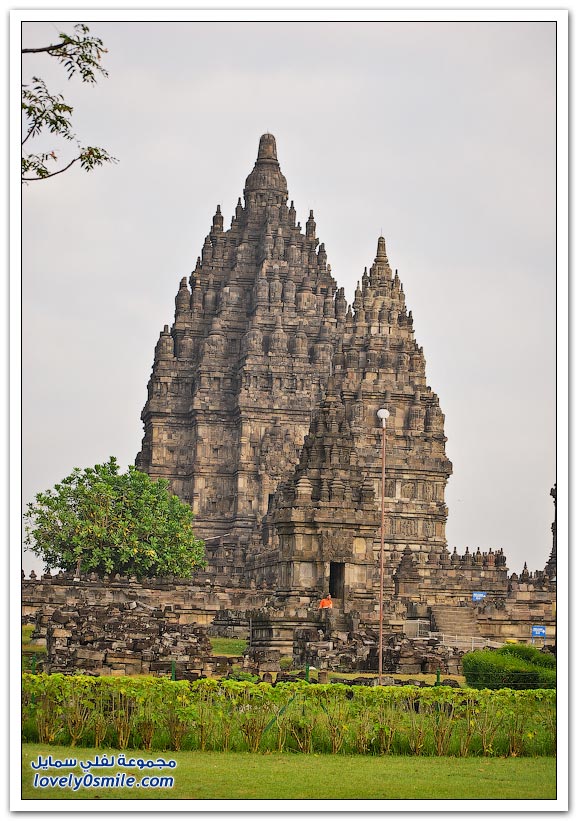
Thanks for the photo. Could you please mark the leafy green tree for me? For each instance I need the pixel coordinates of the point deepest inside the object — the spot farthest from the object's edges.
(45, 112)
(104, 521)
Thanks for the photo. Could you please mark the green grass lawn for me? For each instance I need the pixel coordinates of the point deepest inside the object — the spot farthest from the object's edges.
(284, 776)
(27, 646)
(228, 647)
(30, 650)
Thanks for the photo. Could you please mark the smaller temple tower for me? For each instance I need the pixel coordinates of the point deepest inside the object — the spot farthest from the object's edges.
(322, 532)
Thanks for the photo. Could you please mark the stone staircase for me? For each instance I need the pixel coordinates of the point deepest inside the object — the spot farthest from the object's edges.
(336, 620)
(459, 622)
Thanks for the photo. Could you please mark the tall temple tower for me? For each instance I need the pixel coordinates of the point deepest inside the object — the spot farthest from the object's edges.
(238, 375)
(262, 403)
(323, 531)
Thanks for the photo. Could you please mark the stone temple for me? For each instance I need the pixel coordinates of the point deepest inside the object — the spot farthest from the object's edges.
(261, 413)
(262, 403)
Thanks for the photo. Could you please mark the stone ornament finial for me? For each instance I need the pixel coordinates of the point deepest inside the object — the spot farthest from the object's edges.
(381, 255)
(267, 148)
(266, 185)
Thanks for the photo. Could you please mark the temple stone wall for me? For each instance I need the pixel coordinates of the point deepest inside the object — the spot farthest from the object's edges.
(191, 603)
(120, 626)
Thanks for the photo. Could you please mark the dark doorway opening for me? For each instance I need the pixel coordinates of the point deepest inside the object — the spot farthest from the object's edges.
(337, 580)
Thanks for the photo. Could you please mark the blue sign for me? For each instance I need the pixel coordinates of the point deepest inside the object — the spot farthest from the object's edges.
(538, 631)
(478, 595)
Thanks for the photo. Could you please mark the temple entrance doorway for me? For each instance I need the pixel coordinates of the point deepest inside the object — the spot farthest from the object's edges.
(337, 580)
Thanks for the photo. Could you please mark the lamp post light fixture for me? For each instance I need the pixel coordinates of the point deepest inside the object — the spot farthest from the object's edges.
(382, 415)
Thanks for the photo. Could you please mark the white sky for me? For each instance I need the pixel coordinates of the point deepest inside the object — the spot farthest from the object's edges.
(439, 135)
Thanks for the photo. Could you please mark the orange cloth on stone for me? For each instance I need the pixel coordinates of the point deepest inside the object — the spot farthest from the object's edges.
(325, 603)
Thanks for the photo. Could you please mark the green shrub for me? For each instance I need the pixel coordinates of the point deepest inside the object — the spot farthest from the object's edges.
(242, 675)
(529, 653)
(494, 670)
(159, 714)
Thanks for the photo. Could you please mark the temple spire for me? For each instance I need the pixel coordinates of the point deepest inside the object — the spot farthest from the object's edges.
(266, 186)
(381, 255)
(267, 148)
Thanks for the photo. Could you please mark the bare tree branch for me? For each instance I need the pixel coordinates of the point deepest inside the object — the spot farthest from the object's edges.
(45, 112)
(54, 173)
(44, 48)
(30, 133)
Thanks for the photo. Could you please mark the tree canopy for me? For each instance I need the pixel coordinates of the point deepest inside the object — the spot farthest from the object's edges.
(44, 112)
(101, 520)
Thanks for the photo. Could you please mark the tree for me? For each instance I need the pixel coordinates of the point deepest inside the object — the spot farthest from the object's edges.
(109, 522)
(45, 112)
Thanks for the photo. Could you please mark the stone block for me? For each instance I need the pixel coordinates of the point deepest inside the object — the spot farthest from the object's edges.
(118, 658)
(82, 654)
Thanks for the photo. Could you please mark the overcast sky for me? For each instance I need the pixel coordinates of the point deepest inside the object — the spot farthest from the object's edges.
(439, 135)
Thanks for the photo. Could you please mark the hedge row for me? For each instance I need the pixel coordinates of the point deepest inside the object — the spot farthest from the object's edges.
(494, 669)
(529, 653)
(159, 714)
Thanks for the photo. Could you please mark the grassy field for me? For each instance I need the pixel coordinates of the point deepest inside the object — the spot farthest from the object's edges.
(213, 775)
(30, 650)
(27, 630)
(228, 647)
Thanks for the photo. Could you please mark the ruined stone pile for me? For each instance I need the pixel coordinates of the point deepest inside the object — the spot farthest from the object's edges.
(357, 652)
(124, 639)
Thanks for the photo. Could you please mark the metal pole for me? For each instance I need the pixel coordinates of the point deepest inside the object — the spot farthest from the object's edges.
(380, 674)
(382, 415)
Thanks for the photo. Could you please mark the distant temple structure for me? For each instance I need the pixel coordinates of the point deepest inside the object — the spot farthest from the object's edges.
(262, 414)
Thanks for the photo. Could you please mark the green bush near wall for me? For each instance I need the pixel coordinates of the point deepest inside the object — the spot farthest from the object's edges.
(160, 714)
(529, 653)
(514, 666)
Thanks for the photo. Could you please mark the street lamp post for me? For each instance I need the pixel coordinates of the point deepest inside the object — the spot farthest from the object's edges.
(382, 415)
